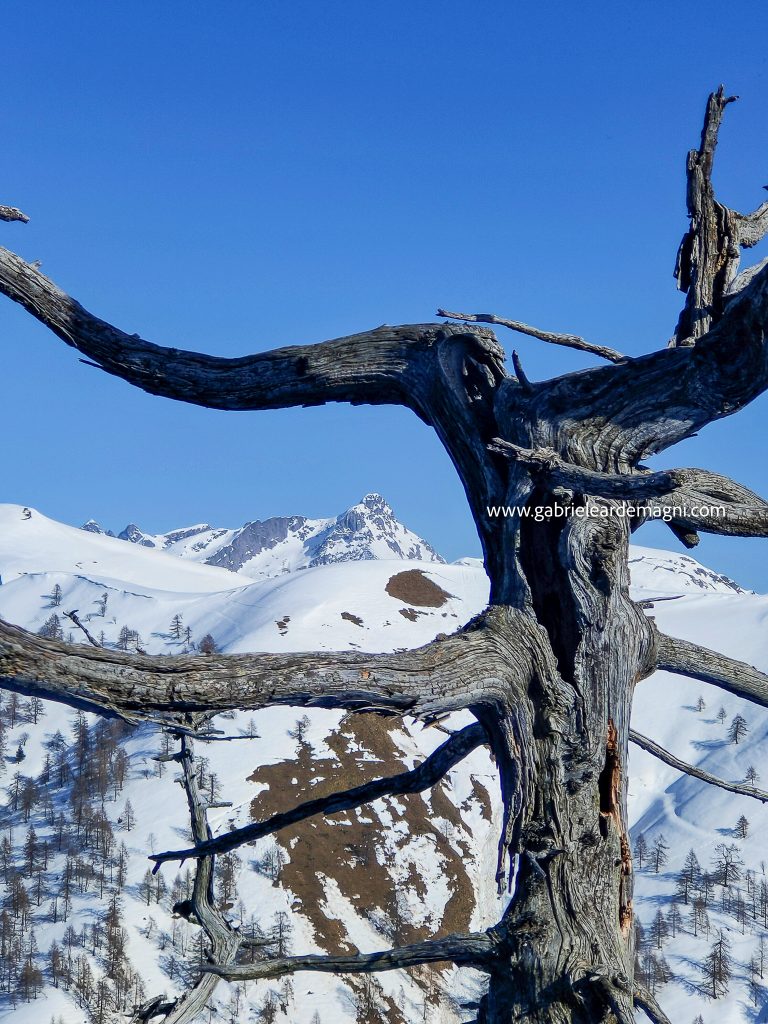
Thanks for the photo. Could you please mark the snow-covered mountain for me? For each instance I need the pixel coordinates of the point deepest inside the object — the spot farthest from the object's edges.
(367, 530)
(396, 869)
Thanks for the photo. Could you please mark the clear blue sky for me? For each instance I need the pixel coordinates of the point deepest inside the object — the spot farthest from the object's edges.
(230, 177)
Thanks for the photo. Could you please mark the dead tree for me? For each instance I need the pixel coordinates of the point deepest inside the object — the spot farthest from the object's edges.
(550, 668)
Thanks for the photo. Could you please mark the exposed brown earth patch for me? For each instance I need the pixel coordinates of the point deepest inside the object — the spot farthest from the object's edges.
(413, 587)
(411, 614)
(350, 846)
(354, 619)
(480, 794)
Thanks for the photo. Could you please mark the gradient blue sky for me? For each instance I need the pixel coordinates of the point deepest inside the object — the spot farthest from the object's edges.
(230, 177)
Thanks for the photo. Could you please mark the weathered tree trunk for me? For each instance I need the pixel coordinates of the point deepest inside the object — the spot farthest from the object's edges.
(568, 933)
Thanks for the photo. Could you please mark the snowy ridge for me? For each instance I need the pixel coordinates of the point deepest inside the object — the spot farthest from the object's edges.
(367, 530)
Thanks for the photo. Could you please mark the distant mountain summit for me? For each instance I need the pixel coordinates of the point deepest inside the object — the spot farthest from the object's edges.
(368, 530)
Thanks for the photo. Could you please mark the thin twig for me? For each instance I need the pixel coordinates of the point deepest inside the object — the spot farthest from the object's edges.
(567, 340)
(682, 766)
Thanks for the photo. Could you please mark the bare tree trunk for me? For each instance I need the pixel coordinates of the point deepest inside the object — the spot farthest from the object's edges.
(568, 933)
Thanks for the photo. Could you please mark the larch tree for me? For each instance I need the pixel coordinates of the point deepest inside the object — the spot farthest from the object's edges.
(548, 670)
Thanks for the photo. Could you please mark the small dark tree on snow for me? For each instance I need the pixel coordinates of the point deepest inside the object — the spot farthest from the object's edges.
(125, 637)
(659, 932)
(698, 1019)
(752, 775)
(299, 730)
(280, 935)
(177, 626)
(690, 876)
(742, 828)
(674, 920)
(51, 628)
(701, 703)
(128, 816)
(728, 864)
(641, 850)
(36, 710)
(722, 714)
(738, 729)
(659, 852)
(208, 645)
(718, 966)
(56, 596)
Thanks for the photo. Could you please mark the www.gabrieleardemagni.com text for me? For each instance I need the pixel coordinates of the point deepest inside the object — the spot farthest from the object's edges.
(667, 514)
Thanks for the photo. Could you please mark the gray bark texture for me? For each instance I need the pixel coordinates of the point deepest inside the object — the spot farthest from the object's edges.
(549, 670)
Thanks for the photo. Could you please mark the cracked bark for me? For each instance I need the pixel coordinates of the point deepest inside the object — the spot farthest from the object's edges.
(549, 669)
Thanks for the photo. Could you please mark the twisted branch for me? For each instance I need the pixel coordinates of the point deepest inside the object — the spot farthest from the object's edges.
(687, 659)
(697, 773)
(476, 949)
(426, 775)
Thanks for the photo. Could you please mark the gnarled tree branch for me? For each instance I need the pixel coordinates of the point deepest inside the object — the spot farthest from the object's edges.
(225, 941)
(737, 677)
(646, 1002)
(708, 257)
(697, 773)
(429, 772)
(545, 462)
(10, 213)
(387, 365)
(476, 949)
(712, 503)
(610, 418)
(474, 667)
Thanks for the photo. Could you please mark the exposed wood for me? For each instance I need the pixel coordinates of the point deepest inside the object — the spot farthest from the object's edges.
(610, 418)
(382, 366)
(424, 776)
(567, 340)
(696, 773)
(737, 677)
(472, 950)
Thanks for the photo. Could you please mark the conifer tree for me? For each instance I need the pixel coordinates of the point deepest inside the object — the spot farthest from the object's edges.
(718, 966)
(738, 729)
(659, 853)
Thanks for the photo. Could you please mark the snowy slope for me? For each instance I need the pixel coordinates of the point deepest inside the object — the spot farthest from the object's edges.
(426, 859)
(36, 544)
